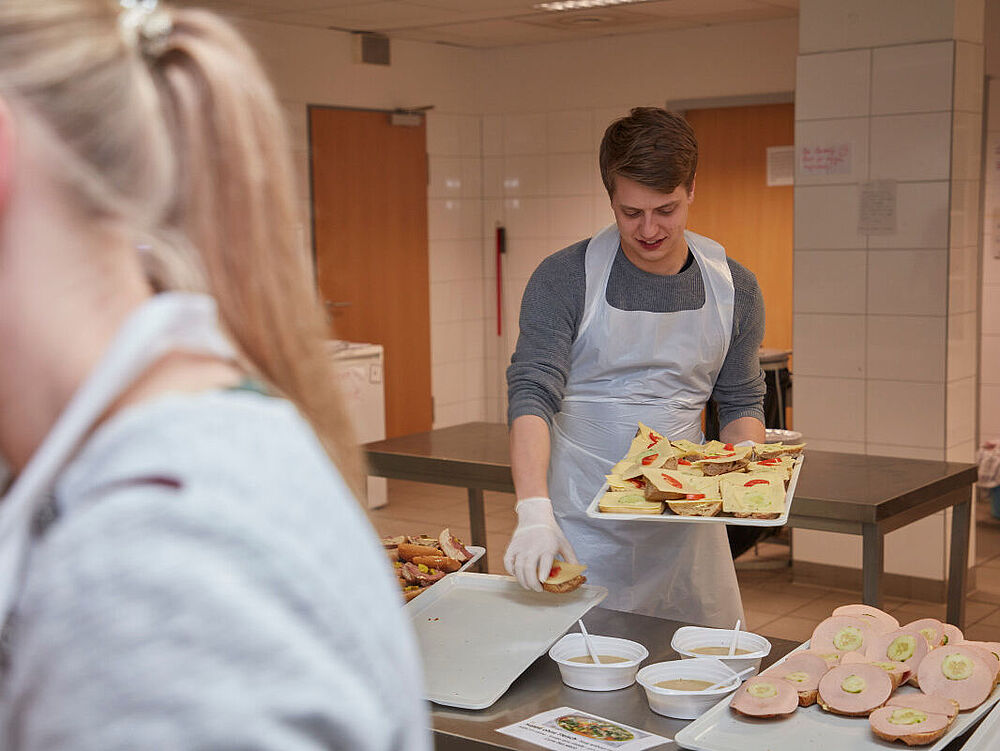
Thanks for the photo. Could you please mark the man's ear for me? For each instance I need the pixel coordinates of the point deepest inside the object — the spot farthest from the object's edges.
(691, 192)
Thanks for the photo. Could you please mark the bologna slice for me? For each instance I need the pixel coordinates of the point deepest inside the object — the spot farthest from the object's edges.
(914, 727)
(841, 633)
(765, 696)
(899, 672)
(960, 672)
(952, 634)
(803, 671)
(925, 703)
(902, 645)
(882, 620)
(931, 628)
(854, 690)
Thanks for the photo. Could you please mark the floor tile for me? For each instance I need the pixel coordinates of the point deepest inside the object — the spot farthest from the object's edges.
(977, 611)
(982, 632)
(823, 606)
(992, 619)
(791, 627)
(757, 620)
(980, 595)
(915, 609)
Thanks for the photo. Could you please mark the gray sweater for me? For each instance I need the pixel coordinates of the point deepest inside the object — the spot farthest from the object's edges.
(552, 308)
(208, 582)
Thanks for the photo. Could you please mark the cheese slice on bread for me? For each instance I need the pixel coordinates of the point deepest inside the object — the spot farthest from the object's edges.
(564, 577)
(756, 495)
(629, 502)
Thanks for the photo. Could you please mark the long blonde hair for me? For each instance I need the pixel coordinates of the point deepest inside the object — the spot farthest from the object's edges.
(179, 136)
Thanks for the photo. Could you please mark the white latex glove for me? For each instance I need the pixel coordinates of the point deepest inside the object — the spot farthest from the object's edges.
(535, 543)
(744, 443)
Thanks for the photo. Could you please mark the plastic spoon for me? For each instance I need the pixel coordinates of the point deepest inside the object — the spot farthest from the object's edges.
(730, 679)
(589, 643)
(736, 638)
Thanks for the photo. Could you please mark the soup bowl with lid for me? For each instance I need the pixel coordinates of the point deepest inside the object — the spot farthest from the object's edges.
(569, 652)
(699, 641)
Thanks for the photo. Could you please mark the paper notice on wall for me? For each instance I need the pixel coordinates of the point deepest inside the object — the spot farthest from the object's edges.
(877, 214)
(817, 160)
(780, 165)
(567, 728)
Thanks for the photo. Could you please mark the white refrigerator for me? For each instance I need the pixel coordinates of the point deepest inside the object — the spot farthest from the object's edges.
(362, 383)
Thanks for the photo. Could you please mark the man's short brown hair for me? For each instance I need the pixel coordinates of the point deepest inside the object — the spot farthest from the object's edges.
(652, 146)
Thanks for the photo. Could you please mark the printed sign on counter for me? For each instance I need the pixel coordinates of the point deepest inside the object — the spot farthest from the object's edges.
(567, 728)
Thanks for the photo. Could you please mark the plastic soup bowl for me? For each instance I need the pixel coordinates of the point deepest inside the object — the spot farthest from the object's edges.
(602, 677)
(686, 705)
(689, 638)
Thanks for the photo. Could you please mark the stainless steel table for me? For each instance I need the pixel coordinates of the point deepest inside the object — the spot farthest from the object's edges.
(851, 493)
(540, 689)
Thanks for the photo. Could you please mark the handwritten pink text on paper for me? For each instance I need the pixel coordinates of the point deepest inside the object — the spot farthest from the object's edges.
(828, 159)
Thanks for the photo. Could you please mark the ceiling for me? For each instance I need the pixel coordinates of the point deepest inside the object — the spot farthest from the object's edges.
(499, 23)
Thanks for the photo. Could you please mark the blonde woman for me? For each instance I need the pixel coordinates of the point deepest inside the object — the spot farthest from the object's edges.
(182, 562)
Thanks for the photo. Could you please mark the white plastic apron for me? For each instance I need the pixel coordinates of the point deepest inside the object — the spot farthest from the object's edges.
(168, 322)
(657, 368)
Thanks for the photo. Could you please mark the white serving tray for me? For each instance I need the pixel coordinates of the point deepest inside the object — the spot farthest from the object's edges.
(985, 736)
(594, 512)
(721, 729)
(478, 632)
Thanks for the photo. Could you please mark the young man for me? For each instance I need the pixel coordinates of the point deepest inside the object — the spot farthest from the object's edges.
(645, 321)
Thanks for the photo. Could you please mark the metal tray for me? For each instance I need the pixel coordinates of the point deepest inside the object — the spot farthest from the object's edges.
(721, 729)
(478, 632)
(594, 512)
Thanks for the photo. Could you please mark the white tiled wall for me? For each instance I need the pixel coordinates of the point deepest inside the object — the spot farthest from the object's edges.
(458, 309)
(542, 184)
(887, 366)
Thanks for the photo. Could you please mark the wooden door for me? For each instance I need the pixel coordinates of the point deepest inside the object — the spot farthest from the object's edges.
(369, 201)
(734, 206)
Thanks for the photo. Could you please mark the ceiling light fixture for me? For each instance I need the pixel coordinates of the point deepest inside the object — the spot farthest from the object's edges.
(582, 4)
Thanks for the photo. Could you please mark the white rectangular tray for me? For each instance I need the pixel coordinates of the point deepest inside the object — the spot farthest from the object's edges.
(479, 632)
(594, 512)
(721, 729)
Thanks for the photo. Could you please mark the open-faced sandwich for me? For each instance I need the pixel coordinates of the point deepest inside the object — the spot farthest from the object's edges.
(564, 577)
(419, 560)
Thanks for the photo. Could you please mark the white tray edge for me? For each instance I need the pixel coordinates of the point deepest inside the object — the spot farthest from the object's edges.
(595, 513)
(594, 595)
(683, 737)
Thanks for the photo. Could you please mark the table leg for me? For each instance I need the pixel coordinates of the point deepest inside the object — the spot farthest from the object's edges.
(872, 563)
(958, 563)
(477, 522)
(781, 400)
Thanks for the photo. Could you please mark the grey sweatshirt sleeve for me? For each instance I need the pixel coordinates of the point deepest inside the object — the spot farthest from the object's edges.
(739, 389)
(551, 309)
(252, 608)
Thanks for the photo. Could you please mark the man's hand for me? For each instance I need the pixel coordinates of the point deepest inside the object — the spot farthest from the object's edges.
(535, 543)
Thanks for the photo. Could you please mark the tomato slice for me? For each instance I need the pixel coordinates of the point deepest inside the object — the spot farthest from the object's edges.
(637, 482)
(555, 570)
(685, 462)
(728, 447)
(754, 482)
(768, 462)
(672, 481)
(695, 496)
(647, 460)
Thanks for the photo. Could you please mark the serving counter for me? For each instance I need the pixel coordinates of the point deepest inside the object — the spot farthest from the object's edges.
(539, 689)
(850, 493)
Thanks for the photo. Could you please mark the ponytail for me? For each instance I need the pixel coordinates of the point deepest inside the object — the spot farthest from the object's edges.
(167, 125)
(234, 202)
